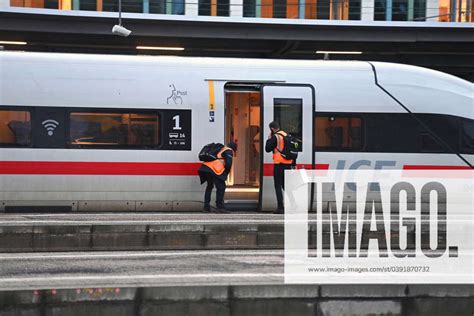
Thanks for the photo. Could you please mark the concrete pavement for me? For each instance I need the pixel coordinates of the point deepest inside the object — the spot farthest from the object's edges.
(24, 271)
(7, 219)
(135, 231)
(227, 283)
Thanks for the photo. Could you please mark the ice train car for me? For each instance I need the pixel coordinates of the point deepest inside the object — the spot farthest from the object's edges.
(122, 133)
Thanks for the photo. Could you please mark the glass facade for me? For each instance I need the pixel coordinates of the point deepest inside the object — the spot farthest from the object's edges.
(383, 10)
(456, 10)
(310, 9)
(135, 6)
(214, 7)
(400, 10)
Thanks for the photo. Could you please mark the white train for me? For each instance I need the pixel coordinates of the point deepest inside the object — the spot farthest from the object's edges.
(100, 132)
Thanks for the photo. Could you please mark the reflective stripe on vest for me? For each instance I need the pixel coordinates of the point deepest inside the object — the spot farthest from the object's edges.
(277, 157)
(218, 166)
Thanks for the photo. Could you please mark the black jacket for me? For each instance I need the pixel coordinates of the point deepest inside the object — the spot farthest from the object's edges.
(271, 144)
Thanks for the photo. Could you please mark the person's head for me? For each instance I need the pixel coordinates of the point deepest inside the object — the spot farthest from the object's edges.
(274, 126)
(232, 146)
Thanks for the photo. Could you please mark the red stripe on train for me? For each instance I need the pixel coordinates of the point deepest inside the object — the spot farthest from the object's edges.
(147, 168)
(268, 168)
(116, 168)
(430, 167)
(99, 168)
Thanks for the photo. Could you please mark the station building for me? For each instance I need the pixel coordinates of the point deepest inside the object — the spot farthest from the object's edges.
(438, 34)
(357, 10)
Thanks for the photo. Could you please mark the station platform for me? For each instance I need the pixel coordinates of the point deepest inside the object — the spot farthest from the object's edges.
(181, 264)
(139, 231)
(209, 282)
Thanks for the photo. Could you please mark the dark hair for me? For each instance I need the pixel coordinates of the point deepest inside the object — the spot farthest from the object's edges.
(232, 145)
(274, 125)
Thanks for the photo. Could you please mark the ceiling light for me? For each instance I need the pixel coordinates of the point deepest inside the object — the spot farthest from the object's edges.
(159, 48)
(338, 52)
(12, 43)
(121, 31)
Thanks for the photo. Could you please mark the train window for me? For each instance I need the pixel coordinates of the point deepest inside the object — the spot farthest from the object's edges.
(334, 132)
(445, 127)
(289, 114)
(392, 132)
(467, 136)
(15, 128)
(114, 129)
(429, 144)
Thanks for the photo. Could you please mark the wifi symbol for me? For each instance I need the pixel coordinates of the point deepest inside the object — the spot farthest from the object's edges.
(50, 126)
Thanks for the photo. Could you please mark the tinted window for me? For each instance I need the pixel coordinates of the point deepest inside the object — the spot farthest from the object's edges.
(127, 6)
(392, 132)
(88, 5)
(289, 114)
(114, 129)
(354, 9)
(223, 7)
(445, 127)
(467, 137)
(250, 8)
(279, 9)
(338, 132)
(429, 144)
(217, 8)
(15, 128)
(323, 9)
(157, 6)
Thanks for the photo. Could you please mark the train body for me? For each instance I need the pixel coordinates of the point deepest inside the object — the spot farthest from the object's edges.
(122, 133)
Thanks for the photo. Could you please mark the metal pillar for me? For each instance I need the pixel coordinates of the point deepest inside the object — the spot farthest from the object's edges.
(367, 10)
(411, 10)
(389, 10)
(236, 8)
(146, 6)
(302, 6)
(432, 9)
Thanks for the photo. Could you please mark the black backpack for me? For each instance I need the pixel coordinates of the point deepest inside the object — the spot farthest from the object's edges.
(291, 147)
(209, 152)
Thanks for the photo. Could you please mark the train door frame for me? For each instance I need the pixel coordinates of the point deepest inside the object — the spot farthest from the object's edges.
(246, 87)
(262, 122)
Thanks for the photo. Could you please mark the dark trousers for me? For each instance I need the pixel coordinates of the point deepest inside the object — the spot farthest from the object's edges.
(279, 181)
(212, 181)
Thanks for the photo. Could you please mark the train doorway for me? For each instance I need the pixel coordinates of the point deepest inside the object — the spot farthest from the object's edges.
(243, 126)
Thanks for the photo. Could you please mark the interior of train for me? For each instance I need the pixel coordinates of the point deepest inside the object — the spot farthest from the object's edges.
(15, 128)
(242, 125)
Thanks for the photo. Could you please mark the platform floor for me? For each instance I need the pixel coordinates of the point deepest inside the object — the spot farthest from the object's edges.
(24, 271)
(8, 219)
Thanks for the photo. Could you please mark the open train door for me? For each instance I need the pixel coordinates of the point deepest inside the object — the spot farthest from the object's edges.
(293, 106)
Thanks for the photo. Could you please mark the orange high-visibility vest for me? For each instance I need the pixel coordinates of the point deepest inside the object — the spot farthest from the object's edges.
(218, 166)
(277, 157)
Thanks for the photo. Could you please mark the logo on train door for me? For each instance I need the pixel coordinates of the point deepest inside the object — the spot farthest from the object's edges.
(176, 95)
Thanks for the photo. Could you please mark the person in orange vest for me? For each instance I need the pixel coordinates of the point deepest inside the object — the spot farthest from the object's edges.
(215, 174)
(275, 144)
